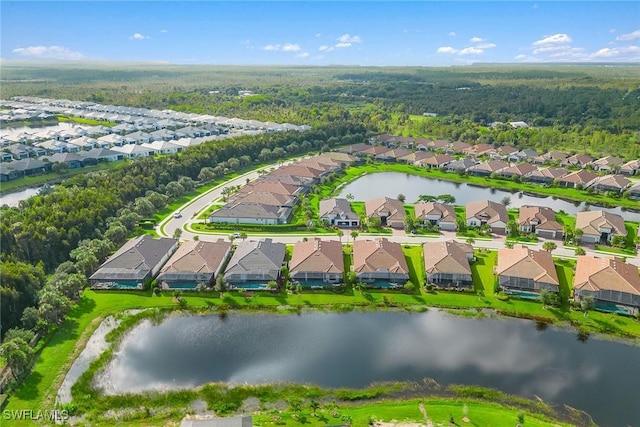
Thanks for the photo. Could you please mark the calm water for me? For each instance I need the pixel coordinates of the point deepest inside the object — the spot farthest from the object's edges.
(12, 199)
(356, 349)
(412, 186)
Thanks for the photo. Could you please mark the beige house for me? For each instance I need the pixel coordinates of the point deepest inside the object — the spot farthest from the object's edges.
(541, 221)
(390, 211)
(316, 262)
(599, 226)
(194, 262)
(447, 264)
(444, 216)
(579, 178)
(379, 262)
(611, 282)
(481, 212)
(528, 270)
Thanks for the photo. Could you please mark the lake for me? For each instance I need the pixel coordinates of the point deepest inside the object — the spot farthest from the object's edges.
(356, 349)
(12, 199)
(391, 184)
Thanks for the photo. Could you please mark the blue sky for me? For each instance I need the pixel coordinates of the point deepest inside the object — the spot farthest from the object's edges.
(421, 33)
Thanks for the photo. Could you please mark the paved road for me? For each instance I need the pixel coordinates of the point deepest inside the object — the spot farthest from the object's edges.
(192, 209)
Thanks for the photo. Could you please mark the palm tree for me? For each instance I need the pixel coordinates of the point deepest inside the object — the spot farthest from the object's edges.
(506, 200)
(426, 198)
(340, 233)
(243, 235)
(470, 240)
(354, 234)
(577, 235)
(314, 405)
(549, 246)
(350, 197)
(586, 304)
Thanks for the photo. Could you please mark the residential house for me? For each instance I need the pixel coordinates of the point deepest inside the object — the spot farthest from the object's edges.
(521, 269)
(438, 161)
(379, 263)
(54, 146)
(579, 160)
(447, 264)
(264, 198)
(136, 262)
(163, 135)
(444, 216)
(390, 211)
(83, 143)
(316, 262)
(461, 166)
(518, 171)
(19, 151)
(338, 212)
(437, 145)
(487, 168)
(307, 172)
(606, 164)
(540, 220)
(612, 283)
(357, 150)
(393, 154)
(552, 156)
(133, 151)
(630, 168)
(479, 150)
(102, 155)
(163, 147)
(73, 161)
(111, 140)
(140, 137)
(578, 179)
(546, 175)
(29, 167)
(457, 147)
(599, 226)
(503, 152)
(613, 183)
(486, 212)
(251, 213)
(195, 262)
(376, 150)
(415, 157)
(634, 192)
(271, 186)
(526, 155)
(255, 263)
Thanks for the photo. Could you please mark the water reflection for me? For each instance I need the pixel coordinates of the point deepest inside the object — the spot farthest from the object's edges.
(412, 186)
(356, 349)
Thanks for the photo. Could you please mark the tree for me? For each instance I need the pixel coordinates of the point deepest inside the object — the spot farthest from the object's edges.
(508, 244)
(401, 197)
(177, 233)
(314, 405)
(350, 197)
(426, 198)
(513, 228)
(548, 298)
(577, 235)
(549, 246)
(618, 241)
(339, 233)
(580, 251)
(446, 198)
(354, 234)
(586, 304)
(143, 207)
(470, 240)
(243, 235)
(506, 200)
(375, 223)
(220, 285)
(409, 223)
(18, 355)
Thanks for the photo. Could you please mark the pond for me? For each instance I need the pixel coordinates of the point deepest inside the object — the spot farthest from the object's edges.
(12, 199)
(355, 349)
(390, 184)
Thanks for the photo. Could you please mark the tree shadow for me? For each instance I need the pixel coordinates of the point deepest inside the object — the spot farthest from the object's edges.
(30, 390)
(419, 299)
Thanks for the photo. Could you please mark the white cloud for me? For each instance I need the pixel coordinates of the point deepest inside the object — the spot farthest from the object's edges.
(318, 34)
(347, 38)
(470, 51)
(288, 47)
(325, 48)
(452, 33)
(612, 30)
(553, 40)
(342, 45)
(447, 50)
(164, 31)
(48, 52)
(476, 40)
(630, 36)
(626, 53)
(271, 47)
(486, 46)
(303, 55)
(138, 36)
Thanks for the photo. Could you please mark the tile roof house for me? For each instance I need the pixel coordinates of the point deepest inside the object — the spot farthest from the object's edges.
(606, 164)
(317, 262)
(480, 150)
(264, 198)
(520, 170)
(457, 147)
(138, 260)
(481, 212)
(611, 282)
(503, 152)
(447, 264)
(540, 220)
(102, 154)
(163, 147)
(524, 269)
(634, 192)
(255, 263)
(579, 179)
(271, 186)
(461, 165)
(194, 262)
(580, 160)
(379, 262)
(390, 211)
(415, 157)
(630, 168)
(606, 183)
(376, 150)
(599, 226)
(338, 212)
(393, 154)
(251, 213)
(487, 168)
(444, 216)
(438, 161)
(546, 175)
(550, 157)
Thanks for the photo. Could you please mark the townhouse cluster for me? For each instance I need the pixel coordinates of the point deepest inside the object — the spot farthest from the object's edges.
(581, 171)
(270, 199)
(138, 132)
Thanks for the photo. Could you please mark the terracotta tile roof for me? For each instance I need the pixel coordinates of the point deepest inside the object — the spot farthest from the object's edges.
(551, 173)
(527, 263)
(447, 213)
(545, 217)
(519, 170)
(490, 211)
(263, 198)
(595, 274)
(273, 186)
(316, 255)
(606, 161)
(198, 257)
(447, 257)
(379, 254)
(613, 181)
(417, 156)
(374, 207)
(579, 177)
(490, 166)
(341, 207)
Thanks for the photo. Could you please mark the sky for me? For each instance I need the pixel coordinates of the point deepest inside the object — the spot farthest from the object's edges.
(367, 33)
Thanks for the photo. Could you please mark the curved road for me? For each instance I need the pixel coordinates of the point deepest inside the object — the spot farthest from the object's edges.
(192, 209)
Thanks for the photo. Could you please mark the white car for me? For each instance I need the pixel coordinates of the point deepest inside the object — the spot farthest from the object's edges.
(236, 235)
(177, 214)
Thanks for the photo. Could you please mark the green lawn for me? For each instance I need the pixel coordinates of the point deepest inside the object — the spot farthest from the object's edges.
(413, 255)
